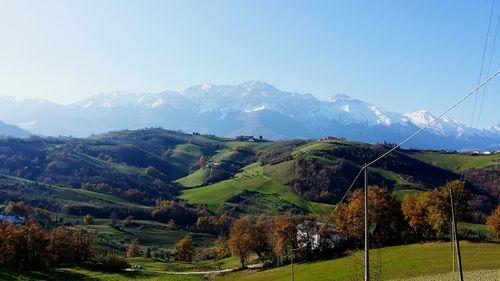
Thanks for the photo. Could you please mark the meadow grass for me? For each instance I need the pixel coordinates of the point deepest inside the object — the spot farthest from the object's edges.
(195, 179)
(84, 274)
(395, 262)
(252, 178)
(458, 162)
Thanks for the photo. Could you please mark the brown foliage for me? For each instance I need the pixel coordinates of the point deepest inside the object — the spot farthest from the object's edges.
(88, 219)
(241, 241)
(185, 248)
(29, 246)
(493, 220)
(70, 246)
(134, 250)
(284, 233)
(383, 212)
(429, 213)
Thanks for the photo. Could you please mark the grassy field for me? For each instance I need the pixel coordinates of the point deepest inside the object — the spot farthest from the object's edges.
(149, 233)
(152, 271)
(396, 262)
(458, 162)
(82, 274)
(401, 193)
(321, 208)
(195, 179)
(252, 178)
(477, 275)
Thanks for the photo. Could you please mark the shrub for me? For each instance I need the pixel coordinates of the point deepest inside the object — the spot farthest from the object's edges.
(111, 262)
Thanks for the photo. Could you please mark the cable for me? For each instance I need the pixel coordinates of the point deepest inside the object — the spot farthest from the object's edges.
(482, 60)
(489, 68)
(432, 121)
(394, 148)
(333, 211)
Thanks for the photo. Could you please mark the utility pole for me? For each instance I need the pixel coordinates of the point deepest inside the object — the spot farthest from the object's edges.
(291, 259)
(452, 240)
(456, 236)
(367, 246)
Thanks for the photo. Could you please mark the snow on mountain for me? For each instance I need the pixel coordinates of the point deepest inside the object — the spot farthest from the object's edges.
(495, 128)
(131, 100)
(444, 126)
(350, 110)
(253, 107)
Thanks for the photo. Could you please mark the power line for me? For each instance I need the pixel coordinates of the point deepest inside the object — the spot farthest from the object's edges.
(432, 121)
(385, 154)
(489, 68)
(482, 60)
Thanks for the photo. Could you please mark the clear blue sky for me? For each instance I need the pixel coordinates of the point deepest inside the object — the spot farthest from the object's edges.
(401, 55)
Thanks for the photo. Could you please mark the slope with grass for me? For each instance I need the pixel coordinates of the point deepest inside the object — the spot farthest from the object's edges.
(252, 178)
(395, 262)
(149, 234)
(458, 162)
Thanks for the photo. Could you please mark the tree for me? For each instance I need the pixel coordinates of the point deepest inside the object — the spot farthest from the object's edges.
(429, 213)
(185, 248)
(114, 219)
(134, 250)
(147, 253)
(128, 221)
(384, 213)
(221, 248)
(284, 233)
(88, 219)
(240, 240)
(493, 220)
(18, 208)
(260, 233)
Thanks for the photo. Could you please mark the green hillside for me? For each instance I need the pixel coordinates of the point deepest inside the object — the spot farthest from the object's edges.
(252, 178)
(458, 162)
(395, 262)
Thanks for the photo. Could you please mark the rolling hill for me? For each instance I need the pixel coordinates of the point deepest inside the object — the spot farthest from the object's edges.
(234, 175)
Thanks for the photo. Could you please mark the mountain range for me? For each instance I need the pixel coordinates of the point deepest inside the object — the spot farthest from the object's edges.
(12, 130)
(251, 108)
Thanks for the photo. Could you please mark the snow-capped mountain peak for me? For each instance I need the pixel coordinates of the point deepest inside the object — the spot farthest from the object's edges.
(253, 107)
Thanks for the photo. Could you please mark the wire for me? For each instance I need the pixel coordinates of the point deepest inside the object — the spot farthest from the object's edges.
(482, 60)
(432, 121)
(333, 211)
(489, 68)
(391, 150)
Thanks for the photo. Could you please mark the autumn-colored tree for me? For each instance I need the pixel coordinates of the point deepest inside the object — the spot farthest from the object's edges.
(284, 234)
(221, 248)
(23, 246)
(128, 221)
(429, 213)
(88, 219)
(240, 240)
(134, 250)
(70, 246)
(260, 233)
(384, 213)
(493, 220)
(18, 208)
(185, 248)
(82, 245)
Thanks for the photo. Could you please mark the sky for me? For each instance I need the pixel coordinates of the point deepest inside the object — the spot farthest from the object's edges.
(401, 55)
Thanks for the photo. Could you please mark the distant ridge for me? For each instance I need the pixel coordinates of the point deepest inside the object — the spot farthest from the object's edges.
(251, 108)
(12, 131)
